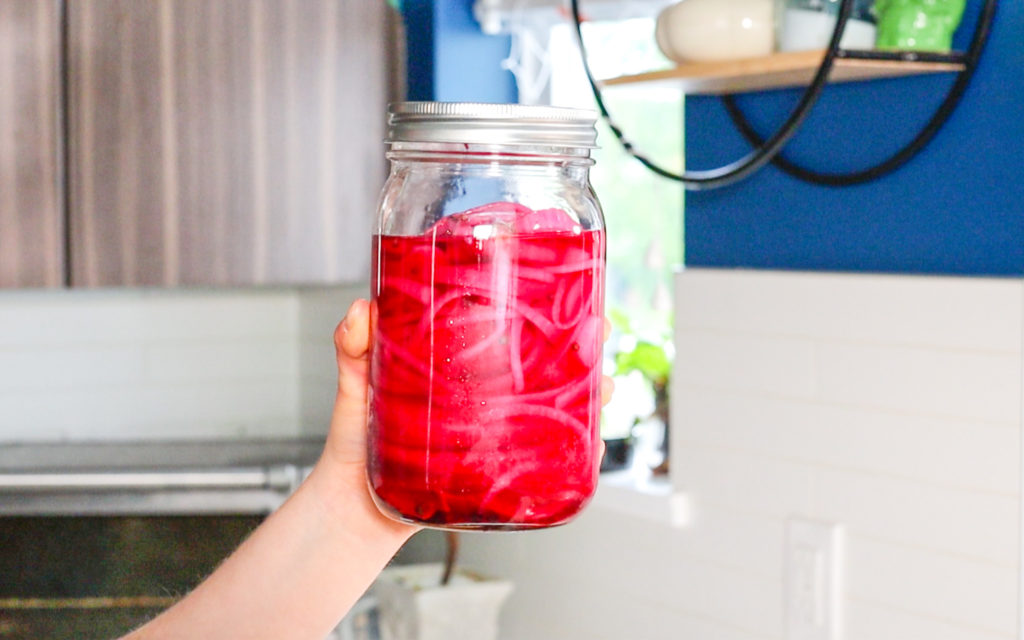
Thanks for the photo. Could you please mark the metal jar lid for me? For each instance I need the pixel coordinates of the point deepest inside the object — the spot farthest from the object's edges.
(497, 124)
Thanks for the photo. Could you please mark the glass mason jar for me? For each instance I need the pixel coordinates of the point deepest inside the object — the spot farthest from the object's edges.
(486, 317)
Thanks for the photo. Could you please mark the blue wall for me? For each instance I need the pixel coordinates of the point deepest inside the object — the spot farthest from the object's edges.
(449, 59)
(958, 208)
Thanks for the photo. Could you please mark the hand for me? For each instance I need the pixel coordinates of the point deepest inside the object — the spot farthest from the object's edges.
(344, 457)
(343, 462)
(305, 566)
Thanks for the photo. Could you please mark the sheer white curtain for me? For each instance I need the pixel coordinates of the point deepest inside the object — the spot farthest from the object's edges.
(644, 249)
(530, 22)
(502, 16)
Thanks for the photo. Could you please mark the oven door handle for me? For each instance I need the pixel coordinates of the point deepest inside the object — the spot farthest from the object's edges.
(285, 478)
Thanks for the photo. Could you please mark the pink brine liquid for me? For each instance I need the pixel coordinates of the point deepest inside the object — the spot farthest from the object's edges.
(485, 369)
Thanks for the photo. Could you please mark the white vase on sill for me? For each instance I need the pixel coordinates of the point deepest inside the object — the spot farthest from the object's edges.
(713, 30)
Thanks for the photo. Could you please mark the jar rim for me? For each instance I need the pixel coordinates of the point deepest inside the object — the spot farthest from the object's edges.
(492, 124)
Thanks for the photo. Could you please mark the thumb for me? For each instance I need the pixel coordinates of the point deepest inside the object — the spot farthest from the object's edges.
(351, 344)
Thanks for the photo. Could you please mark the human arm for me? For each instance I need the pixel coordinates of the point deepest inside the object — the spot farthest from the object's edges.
(308, 563)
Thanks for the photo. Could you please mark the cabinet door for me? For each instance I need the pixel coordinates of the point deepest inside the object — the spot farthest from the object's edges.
(31, 228)
(225, 142)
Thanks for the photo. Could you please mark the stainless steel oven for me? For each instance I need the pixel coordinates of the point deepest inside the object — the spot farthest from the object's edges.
(97, 537)
(100, 576)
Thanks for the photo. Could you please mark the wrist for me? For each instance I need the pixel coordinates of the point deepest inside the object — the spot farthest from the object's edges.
(343, 496)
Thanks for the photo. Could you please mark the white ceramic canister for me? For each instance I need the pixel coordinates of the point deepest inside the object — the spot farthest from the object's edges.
(709, 30)
(806, 29)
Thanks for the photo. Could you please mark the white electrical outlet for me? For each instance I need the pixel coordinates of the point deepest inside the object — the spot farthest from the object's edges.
(814, 562)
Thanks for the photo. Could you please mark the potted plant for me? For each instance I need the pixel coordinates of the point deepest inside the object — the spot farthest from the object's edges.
(650, 359)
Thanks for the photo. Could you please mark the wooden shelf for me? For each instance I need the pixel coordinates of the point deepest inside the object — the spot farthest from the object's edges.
(783, 70)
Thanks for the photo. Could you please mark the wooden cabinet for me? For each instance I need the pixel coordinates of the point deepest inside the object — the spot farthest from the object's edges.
(31, 203)
(225, 142)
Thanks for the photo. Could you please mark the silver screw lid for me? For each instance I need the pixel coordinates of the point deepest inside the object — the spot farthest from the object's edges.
(497, 124)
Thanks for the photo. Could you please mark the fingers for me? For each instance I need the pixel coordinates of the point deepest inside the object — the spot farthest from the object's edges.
(351, 343)
(352, 337)
(607, 388)
(607, 384)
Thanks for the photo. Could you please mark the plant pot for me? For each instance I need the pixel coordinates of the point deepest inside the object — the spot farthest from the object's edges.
(414, 605)
(618, 454)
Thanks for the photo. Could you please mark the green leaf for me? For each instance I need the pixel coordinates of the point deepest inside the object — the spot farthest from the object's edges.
(620, 320)
(647, 358)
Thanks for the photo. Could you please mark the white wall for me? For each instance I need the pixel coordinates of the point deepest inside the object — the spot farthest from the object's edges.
(890, 404)
(320, 310)
(128, 364)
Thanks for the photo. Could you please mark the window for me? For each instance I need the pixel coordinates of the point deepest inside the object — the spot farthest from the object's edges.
(643, 211)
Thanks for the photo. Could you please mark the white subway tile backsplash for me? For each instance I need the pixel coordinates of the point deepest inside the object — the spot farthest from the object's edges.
(213, 361)
(316, 402)
(318, 361)
(866, 621)
(645, 621)
(322, 308)
(68, 367)
(972, 386)
(187, 411)
(624, 578)
(127, 364)
(769, 365)
(29, 319)
(132, 315)
(236, 404)
(647, 570)
(888, 404)
(912, 434)
(943, 312)
(967, 523)
(651, 621)
(66, 415)
(732, 598)
(734, 540)
(933, 585)
(272, 426)
(741, 480)
(674, 625)
(186, 317)
(941, 451)
(320, 311)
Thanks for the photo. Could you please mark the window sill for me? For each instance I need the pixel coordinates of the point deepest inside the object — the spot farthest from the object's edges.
(636, 492)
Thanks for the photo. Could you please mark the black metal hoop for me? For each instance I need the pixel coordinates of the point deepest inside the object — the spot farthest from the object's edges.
(915, 146)
(764, 151)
